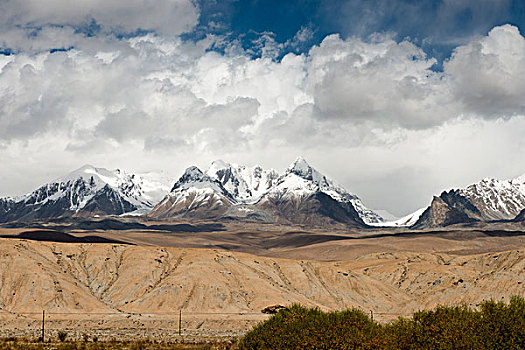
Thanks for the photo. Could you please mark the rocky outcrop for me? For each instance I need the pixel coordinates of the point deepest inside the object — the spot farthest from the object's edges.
(315, 210)
(520, 217)
(448, 209)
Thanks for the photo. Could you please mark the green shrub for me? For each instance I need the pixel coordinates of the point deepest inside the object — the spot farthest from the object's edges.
(304, 328)
(443, 328)
(494, 326)
(504, 324)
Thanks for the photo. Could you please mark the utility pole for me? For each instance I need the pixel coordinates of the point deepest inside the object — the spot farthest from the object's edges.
(180, 320)
(43, 323)
(372, 315)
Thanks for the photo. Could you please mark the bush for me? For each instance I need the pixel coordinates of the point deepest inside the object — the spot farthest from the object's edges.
(504, 324)
(303, 328)
(443, 328)
(494, 326)
(62, 335)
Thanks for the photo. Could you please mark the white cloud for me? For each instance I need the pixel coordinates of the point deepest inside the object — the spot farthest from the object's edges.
(383, 81)
(169, 17)
(372, 114)
(486, 75)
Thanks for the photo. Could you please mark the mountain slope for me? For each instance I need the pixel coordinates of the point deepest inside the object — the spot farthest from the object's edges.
(302, 195)
(448, 209)
(497, 199)
(194, 195)
(487, 200)
(245, 184)
(86, 191)
(302, 169)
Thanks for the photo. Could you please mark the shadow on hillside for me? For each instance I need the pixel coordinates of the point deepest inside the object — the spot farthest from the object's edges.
(61, 237)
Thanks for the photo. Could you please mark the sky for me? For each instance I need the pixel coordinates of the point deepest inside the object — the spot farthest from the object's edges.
(395, 100)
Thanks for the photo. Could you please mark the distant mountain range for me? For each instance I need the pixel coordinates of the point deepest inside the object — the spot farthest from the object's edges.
(300, 195)
(85, 192)
(487, 200)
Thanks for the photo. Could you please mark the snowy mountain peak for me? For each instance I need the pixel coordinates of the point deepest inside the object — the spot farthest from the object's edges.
(192, 172)
(219, 164)
(301, 179)
(84, 171)
(89, 190)
(301, 168)
(99, 177)
(299, 164)
(519, 180)
(497, 199)
(194, 179)
(142, 191)
(191, 175)
(245, 184)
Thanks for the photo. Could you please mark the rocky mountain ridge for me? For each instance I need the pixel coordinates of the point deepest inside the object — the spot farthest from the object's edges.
(487, 200)
(87, 191)
(301, 195)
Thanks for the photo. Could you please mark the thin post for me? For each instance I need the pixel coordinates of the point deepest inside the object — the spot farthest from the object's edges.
(372, 315)
(180, 320)
(43, 323)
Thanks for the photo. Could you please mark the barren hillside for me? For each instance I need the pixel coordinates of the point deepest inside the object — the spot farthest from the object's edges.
(107, 278)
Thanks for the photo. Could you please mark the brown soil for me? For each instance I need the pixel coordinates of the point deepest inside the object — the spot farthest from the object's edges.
(222, 280)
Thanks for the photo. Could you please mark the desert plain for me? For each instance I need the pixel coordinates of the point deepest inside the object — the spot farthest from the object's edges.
(213, 280)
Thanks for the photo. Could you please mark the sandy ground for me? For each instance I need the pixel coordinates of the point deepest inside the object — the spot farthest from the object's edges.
(222, 280)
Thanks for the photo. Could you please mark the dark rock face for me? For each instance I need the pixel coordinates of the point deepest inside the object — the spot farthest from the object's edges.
(191, 206)
(225, 176)
(106, 202)
(317, 209)
(520, 217)
(44, 204)
(448, 209)
(23, 211)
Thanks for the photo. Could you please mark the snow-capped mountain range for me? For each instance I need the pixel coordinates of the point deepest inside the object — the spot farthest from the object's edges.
(239, 191)
(300, 194)
(487, 200)
(497, 199)
(88, 191)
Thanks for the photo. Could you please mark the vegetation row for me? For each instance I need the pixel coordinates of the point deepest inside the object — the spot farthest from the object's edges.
(495, 325)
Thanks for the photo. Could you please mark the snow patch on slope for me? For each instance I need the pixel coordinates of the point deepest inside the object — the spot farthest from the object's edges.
(497, 199)
(405, 221)
(300, 179)
(83, 184)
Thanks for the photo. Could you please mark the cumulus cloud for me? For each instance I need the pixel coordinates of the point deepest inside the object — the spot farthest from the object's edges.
(486, 75)
(346, 102)
(170, 17)
(381, 81)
